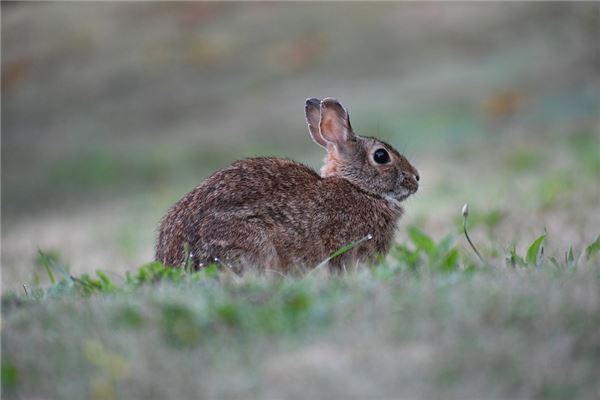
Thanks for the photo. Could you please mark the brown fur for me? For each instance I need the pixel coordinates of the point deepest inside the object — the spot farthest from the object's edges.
(278, 214)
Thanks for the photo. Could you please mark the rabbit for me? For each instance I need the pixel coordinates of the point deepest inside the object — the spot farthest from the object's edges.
(277, 214)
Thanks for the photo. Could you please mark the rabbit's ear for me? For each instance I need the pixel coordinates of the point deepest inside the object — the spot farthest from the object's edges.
(335, 123)
(313, 116)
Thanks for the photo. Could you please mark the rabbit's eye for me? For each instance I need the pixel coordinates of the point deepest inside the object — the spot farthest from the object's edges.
(381, 156)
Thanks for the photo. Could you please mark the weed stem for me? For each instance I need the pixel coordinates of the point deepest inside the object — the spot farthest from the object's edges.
(465, 213)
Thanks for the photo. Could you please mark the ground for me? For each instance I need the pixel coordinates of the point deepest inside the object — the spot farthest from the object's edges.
(111, 112)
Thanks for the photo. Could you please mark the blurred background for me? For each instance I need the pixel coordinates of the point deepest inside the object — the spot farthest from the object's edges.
(113, 111)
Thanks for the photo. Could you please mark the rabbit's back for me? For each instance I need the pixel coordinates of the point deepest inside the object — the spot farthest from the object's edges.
(272, 213)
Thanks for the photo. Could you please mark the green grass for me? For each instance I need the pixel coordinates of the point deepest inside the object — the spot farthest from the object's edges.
(429, 321)
(438, 323)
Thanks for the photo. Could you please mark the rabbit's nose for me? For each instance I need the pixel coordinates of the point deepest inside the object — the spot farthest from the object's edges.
(410, 181)
(416, 178)
(415, 181)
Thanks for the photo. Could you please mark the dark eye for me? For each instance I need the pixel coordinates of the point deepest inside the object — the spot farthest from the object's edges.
(381, 156)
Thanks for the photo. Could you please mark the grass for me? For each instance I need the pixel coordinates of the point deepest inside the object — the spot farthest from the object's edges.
(432, 320)
(428, 321)
(508, 125)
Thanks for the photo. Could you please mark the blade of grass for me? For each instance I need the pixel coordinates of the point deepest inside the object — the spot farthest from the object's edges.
(592, 249)
(45, 260)
(534, 251)
(340, 252)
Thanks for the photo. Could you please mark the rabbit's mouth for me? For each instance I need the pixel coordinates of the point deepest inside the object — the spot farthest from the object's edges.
(399, 196)
(402, 196)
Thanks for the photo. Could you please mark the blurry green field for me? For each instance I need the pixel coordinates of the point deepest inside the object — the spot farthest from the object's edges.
(427, 322)
(113, 111)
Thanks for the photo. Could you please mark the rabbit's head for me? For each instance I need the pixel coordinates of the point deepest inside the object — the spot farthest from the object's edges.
(369, 163)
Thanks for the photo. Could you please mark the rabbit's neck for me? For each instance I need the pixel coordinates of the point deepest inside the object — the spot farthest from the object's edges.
(331, 169)
(395, 205)
(331, 166)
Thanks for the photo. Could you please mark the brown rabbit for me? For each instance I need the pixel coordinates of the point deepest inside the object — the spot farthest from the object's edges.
(278, 214)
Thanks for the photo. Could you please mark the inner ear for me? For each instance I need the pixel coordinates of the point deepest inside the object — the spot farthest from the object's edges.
(335, 123)
(312, 113)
